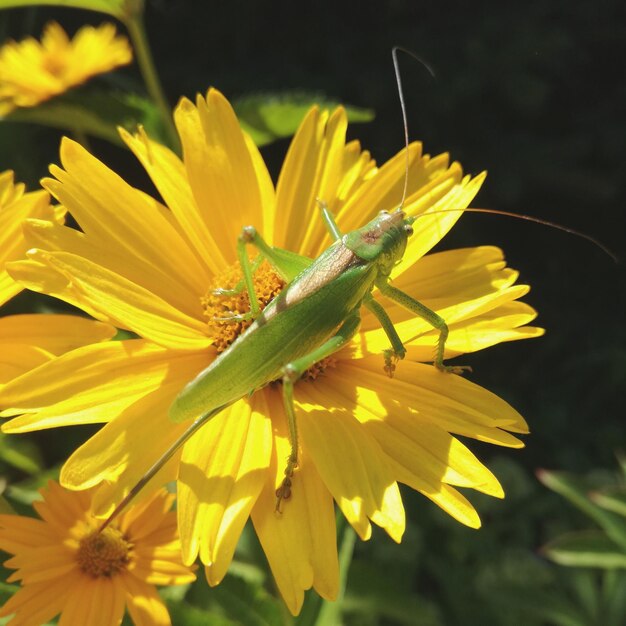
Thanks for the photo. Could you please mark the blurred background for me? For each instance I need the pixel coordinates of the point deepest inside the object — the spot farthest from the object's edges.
(532, 92)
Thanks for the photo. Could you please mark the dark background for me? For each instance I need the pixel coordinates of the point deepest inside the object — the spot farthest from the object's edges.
(533, 92)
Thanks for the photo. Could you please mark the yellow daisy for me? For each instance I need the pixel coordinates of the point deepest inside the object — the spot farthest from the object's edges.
(31, 72)
(27, 341)
(151, 268)
(67, 567)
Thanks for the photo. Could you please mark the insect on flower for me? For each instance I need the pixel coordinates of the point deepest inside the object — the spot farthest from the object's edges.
(173, 282)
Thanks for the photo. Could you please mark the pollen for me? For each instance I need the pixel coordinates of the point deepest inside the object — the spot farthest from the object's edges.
(55, 65)
(227, 306)
(318, 369)
(104, 554)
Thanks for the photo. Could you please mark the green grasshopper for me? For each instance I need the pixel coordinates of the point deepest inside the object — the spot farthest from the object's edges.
(311, 318)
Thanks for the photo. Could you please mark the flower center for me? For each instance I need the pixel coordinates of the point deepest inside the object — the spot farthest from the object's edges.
(55, 64)
(227, 297)
(103, 554)
(218, 307)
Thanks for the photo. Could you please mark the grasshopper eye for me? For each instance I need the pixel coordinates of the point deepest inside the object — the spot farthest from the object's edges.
(383, 213)
(408, 229)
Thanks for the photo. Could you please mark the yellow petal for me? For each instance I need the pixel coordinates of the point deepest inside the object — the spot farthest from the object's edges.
(17, 358)
(150, 516)
(51, 561)
(444, 496)
(221, 475)
(61, 509)
(113, 453)
(96, 289)
(169, 176)
(437, 209)
(15, 207)
(354, 468)
(96, 383)
(300, 543)
(448, 401)
(220, 170)
(176, 290)
(144, 604)
(321, 184)
(54, 333)
(111, 214)
(448, 278)
(94, 600)
(38, 603)
(266, 190)
(295, 191)
(357, 166)
(18, 533)
(424, 449)
(382, 190)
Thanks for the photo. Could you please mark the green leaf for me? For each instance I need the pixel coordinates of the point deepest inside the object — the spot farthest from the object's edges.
(20, 453)
(193, 616)
(243, 601)
(27, 491)
(573, 490)
(374, 592)
(271, 116)
(614, 596)
(550, 608)
(590, 548)
(116, 8)
(5, 507)
(93, 113)
(613, 499)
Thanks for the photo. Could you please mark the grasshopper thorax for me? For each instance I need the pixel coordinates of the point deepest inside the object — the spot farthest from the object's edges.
(383, 240)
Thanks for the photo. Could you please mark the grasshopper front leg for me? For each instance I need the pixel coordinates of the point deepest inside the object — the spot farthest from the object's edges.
(436, 321)
(291, 373)
(248, 236)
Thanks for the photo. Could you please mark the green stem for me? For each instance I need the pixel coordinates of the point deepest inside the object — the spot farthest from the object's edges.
(136, 30)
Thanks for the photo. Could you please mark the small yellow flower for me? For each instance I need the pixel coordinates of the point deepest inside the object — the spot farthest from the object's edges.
(67, 567)
(27, 341)
(151, 269)
(31, 72)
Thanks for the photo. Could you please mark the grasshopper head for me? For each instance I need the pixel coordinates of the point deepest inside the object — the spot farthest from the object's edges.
(383, 240)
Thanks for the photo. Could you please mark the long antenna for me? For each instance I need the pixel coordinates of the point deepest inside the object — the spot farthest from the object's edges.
(530, 218)
(396, 67)
(521, 216)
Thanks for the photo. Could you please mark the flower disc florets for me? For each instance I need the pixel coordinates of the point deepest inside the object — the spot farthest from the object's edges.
(103, 554)
(219, 307)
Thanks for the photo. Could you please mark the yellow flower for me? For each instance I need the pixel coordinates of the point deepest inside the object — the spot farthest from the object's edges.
(66, 566)
(150, 269)
(31, 72)
(27, 341)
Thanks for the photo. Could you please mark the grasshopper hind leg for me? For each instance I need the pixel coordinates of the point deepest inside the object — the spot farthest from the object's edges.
(435, 320)
(397, 351)
(291, 373)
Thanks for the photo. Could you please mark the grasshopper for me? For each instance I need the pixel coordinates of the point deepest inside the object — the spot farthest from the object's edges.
(311, 318)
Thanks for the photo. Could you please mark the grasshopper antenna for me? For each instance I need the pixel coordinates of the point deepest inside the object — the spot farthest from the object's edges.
(520, 216)
(396, 67)
(536, 220)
